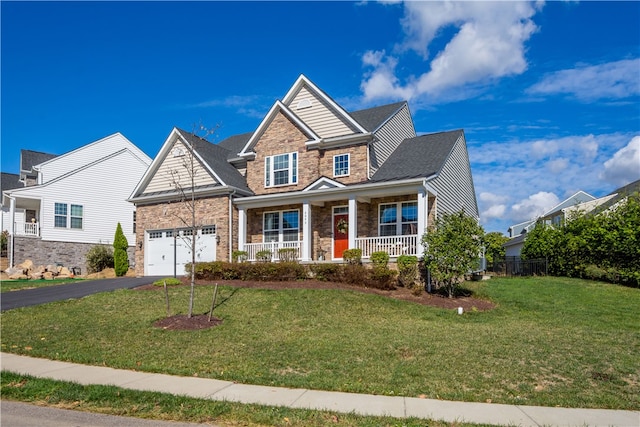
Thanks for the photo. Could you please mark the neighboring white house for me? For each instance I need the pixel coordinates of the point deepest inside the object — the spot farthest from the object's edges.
(579, 202)
(74, 201)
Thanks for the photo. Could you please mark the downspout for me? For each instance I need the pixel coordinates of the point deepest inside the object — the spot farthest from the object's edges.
(230, 243)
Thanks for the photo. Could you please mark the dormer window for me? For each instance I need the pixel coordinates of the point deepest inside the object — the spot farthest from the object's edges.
(281, 170)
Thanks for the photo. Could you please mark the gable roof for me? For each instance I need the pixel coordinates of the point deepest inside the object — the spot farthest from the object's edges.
(216, 157)
(29, 158)
(9, 181)
(421, 156)
(235, 143)
(372, 118)
(618, 195)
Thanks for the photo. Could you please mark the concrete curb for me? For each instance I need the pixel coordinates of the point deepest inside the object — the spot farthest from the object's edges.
(363, 404)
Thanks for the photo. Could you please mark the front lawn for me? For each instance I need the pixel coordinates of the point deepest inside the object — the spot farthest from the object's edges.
(550, 341)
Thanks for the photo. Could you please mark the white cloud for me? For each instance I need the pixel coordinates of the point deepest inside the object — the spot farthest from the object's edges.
(613, 80)
(624, 166)
(488, 44)
(558, 165)
(492, 206)
(534, 206)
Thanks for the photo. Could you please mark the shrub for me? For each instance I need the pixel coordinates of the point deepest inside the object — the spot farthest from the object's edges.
(239, 256)
(327, 272)
(408, 273)
(380, 259)
(352, 256)
(264, 255)
(355, 274)
(120, 257)
(99, 257)
(288, 255)
(381, 278)
(171, 281)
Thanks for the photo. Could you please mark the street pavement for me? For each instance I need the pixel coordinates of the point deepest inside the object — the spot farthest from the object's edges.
(18, 414)
(35, 296)
(372, 405)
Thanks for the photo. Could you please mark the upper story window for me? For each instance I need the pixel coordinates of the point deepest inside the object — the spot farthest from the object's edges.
(281, 226)
(281, 169)
(397, 219)
(341, 165)
(68, 216)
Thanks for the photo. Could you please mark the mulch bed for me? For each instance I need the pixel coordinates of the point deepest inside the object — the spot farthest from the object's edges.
(181, 322)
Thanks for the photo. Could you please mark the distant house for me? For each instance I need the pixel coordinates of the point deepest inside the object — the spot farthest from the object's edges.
(579, 202)
(312, 178)
(65, 204)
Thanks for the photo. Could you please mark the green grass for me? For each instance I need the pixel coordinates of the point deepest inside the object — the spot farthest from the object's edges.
(16, 285)
(550, 341)
(158, 406)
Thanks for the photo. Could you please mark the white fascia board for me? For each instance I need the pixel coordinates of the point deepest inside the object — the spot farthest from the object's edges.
(202, 161)
(367, 190)
(304, 81)
(174, 195)
(340, 141)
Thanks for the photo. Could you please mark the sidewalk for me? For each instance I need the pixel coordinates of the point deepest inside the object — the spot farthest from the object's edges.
(401, 407)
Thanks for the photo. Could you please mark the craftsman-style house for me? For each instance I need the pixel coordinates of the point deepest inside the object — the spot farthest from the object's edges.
(312, 177)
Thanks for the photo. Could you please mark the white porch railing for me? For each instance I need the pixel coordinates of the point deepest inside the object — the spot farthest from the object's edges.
(393, 245)
(252, 249)
(28, 229)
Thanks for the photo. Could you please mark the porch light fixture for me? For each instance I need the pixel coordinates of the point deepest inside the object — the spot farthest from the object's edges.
(140, 244)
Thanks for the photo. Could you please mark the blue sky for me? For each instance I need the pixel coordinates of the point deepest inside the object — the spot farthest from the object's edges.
(548, 94)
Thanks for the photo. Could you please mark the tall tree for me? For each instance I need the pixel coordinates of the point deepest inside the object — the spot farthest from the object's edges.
(452, 249)
(120, 257)
(493, 249)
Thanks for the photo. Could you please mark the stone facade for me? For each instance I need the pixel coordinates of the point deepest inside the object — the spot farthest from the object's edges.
(281, 137)
(68, 254)
(164, 216)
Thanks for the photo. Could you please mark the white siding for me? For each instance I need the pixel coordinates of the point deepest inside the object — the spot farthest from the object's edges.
(455, 184)
(102, 189)
(320, 117)
(163, 180)
(389, 136)
(87, 154)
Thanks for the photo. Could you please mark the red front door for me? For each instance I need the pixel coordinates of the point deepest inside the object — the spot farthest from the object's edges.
(340, 234)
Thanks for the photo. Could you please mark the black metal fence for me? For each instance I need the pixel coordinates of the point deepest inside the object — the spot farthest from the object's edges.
(515, 266)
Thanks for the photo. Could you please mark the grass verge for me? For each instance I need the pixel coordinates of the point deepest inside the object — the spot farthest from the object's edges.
(16, 285)
(551, 341)
(159, 406)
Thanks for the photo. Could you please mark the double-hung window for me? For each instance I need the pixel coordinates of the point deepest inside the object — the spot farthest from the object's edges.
(341, 165)
(396, 219)
(281, 169)
(281, 226)
(68, 216)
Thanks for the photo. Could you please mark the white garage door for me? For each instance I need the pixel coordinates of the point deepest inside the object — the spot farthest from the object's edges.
(161, 257)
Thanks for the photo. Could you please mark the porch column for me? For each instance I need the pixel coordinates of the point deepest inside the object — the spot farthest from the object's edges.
(12, 229)
(305, 254)
(353, 221)
(242, 228)
(423, 202)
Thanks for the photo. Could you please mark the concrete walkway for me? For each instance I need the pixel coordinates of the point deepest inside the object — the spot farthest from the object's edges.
(401, 407)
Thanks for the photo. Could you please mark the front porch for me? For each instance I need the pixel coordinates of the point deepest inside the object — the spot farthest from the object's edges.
(393, 245)
(323, 224)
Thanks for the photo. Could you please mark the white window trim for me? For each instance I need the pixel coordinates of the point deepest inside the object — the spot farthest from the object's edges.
(67, 216)
(269, 172)
(348, 164)
(399, 222)
(71, 216)
(281, 228)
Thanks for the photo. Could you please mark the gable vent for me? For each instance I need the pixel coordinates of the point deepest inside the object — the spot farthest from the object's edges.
(303, 103)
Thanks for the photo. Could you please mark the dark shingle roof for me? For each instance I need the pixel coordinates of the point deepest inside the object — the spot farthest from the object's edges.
(621, 193)
(235, 143)
(9, 181)
(216, 157)
(28, 159)
(372, 118)
(421, 156)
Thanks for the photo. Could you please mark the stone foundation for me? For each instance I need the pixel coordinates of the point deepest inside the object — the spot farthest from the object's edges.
(43, 252)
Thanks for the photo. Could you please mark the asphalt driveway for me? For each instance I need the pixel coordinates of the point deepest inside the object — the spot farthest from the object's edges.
(35, 296)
